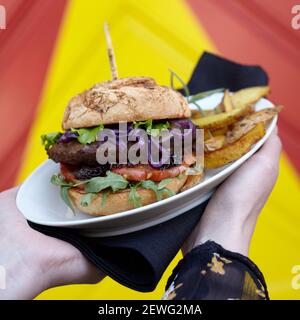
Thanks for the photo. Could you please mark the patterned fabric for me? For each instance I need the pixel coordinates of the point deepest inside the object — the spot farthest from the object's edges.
(209, 272)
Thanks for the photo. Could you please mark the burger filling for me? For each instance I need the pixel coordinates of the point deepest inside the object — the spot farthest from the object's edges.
(76, 150)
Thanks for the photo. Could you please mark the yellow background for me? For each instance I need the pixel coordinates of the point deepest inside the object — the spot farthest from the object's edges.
(149, 37)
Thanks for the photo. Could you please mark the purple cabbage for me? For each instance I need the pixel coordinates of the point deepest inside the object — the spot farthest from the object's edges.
(185, 126)
(68, 136)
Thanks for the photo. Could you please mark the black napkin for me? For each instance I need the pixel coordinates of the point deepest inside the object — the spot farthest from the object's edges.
(214, 72)
(138, 259)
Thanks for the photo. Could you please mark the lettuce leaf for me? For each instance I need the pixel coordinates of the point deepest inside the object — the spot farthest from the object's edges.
(88, 135)
(49, 139)
(152, 128)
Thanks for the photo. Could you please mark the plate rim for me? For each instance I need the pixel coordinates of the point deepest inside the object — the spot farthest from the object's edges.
(98, 219)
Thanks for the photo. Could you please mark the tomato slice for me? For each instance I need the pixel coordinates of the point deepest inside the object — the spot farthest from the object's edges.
(66, 171)
(145, 172)
(136, 173)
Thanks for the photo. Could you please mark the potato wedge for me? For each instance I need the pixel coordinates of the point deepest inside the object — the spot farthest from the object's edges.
(245, 125)
(227, 102)
(220, 131)
(196, 114)
(212, 133)
(235, 150)
(265, 114)
(214, 143)
(224, 119)
(249, 96)
(208, 113)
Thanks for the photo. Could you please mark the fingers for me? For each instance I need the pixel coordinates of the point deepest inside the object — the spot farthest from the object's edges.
(269, 155)
(272, 147)
(239, 200)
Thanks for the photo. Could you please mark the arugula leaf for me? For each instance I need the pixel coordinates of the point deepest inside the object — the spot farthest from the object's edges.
(88, 135)
(134, 197)
(112, 180)
(66, 198)
(59, 180)
(49, 139)
(163, 183)
(86, 199)
(149, 184)
(104, 198)
(159, 189)
(169, 192)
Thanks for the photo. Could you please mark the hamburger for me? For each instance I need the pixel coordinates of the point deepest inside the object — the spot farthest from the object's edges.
(105, 188)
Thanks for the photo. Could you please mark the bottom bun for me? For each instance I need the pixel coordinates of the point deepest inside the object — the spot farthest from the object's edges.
(119, 201)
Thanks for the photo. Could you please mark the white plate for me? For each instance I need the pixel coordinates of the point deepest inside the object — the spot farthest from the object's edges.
(40, 202)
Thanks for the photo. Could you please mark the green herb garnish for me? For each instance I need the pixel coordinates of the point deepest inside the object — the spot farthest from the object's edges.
(104, 198)
(204, 94)
(191, 99)
(59, 180)
(49, 139)
(159, 189)
(86, 199)
(134, 197)
(64, 193)
(112, 180)
(163, 183)
(184, 85)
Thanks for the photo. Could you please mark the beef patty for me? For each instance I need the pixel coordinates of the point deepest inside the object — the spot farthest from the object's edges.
(81, 160)
(74, 153)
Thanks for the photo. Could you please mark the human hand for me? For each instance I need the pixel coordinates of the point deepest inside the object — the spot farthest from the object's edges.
(33, 261)
(231, 214)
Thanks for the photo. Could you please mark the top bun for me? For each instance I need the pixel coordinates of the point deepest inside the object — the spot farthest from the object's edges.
(124, 100)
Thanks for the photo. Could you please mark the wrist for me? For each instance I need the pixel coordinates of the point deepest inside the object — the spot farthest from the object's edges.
(235, 241)
(68, 266)
(22, 280)
(231, 230)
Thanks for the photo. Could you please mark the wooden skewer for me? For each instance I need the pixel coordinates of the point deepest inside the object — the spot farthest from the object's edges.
(111, 54)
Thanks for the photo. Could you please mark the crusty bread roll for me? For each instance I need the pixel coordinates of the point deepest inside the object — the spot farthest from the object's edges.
(130, 99)
(119, 201)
